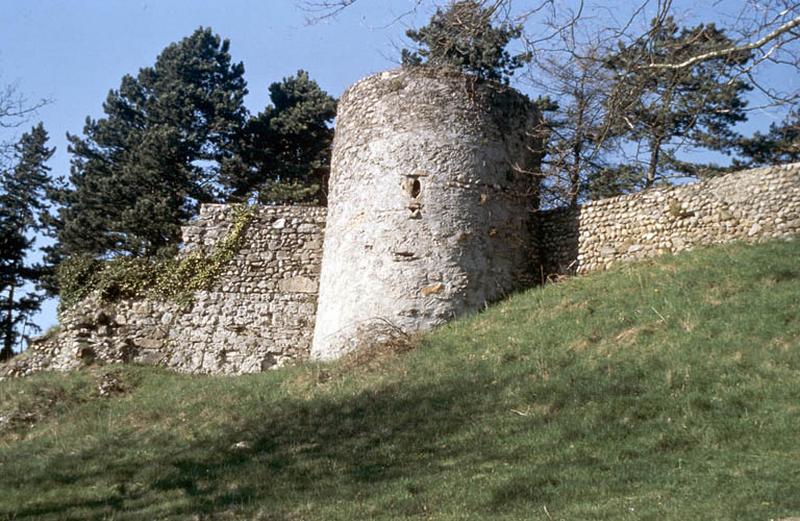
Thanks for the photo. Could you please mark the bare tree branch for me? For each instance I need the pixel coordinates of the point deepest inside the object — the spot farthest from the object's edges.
(785, 28)
(15, 111)
(16, 108)
(325, 9)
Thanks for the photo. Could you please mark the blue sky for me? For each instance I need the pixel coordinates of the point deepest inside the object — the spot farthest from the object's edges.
(74, 51)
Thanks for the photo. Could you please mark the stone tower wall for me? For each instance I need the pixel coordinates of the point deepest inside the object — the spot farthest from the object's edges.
(430, 205)
(261, 314)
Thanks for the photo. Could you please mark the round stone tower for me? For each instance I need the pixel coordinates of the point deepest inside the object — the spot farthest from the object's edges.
(432, 191)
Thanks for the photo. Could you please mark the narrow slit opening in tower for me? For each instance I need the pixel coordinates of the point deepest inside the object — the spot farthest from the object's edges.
(415, 188)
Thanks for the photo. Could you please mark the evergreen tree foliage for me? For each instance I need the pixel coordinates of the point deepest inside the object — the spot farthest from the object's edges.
(462, 37)
(143, 168)
(23, 191)
(663, 110)
(781, 144)
(287, 146)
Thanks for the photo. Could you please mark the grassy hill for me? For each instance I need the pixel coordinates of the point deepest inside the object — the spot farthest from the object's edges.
(667, 390)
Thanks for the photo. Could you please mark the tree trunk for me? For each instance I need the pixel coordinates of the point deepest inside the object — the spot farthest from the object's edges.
(8, 328)
(655, 151)
(575, 176)
(577, 150)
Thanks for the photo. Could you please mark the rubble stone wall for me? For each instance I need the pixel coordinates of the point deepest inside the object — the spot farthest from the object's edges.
(753, 205)
(258, 315)
(261, 312)
(430, 208)
(431, 216)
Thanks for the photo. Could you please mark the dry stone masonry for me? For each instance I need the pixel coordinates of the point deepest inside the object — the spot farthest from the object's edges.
(753, 205)
(259, 314)
(430, 207)
(431, 215)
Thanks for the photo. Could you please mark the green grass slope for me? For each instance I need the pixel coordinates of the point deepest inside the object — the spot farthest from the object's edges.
(667, 390)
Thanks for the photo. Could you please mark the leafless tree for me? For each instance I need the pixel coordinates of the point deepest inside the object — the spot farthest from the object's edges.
(15, 111)
(770, 29)
(576, 87)
(571, 42)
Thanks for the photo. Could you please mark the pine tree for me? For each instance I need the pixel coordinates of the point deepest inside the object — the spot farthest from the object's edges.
(287, 146)
(463, 37)
(780, 145)
(143, 169)
(23, 190)
(663, 110)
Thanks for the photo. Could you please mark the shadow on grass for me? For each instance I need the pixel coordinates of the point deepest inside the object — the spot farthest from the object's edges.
(375, 452)
(329, 449)
(720, 414)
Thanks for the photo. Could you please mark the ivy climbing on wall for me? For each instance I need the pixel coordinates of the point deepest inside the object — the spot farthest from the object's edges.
(175, 278)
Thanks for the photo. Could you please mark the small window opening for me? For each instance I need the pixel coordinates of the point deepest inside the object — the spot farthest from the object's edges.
(415, 188)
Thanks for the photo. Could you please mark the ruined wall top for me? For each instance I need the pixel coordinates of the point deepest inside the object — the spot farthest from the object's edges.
(751, 205)
(436, 98)
(258, 314)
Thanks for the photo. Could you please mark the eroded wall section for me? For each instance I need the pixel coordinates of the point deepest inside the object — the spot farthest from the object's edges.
(258, 315)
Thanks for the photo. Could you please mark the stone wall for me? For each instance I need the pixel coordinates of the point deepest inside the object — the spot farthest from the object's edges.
(258, 315)
(752, 205)
(431, 215)
(261, 312)
(430, 208)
